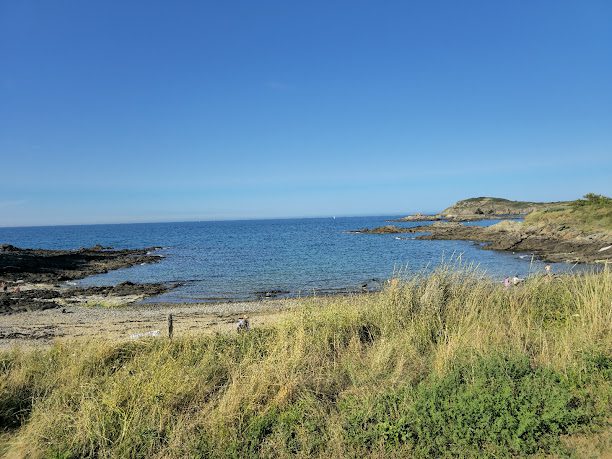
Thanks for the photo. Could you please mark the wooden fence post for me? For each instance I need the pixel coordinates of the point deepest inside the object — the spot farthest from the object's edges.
(170, 326)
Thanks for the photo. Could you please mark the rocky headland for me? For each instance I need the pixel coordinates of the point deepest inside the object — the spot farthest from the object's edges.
(578, 232)
(482, 208)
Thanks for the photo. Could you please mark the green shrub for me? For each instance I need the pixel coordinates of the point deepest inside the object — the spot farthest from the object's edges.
(497, 406)
(294, 429)
(592, 199)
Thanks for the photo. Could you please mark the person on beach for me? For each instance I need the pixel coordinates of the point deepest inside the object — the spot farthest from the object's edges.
(548, 269)
(516, 280)
(243, 324)
(507, 282)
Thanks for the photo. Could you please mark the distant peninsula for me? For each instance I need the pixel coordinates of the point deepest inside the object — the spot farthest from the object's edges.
(482, 208)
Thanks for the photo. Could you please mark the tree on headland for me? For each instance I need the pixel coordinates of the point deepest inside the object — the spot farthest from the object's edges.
(593, 200)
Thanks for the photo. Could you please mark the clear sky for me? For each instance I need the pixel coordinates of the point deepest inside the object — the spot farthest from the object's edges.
(121, 111)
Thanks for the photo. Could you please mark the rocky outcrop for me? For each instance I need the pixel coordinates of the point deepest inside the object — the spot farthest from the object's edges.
(51, 266)
(388, 229)
(40, 299)
(10, 304)
(418, 217)
(122, 289)
(487, 207)
(482, 208)
(22, 271)
(555, 245)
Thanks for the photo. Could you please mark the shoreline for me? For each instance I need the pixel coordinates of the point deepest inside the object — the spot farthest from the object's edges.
(35, 279)
(56, 266)
(454, 218)
(507, 236)
(38, 306)
(39, 279)
(130, 321)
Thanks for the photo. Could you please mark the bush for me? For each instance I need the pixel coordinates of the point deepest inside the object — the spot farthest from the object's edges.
(592, 199)
(498, 406)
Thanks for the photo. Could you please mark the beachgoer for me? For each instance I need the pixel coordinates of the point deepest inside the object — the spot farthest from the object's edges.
(548, 269)
(516, 280)
(507, 282)
(243, 324)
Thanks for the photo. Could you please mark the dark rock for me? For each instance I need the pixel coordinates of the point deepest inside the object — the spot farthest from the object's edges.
(10, 304)
(387, 229)
(56, 266)
(50, 266)
(549, 246)
(122, 289)
(271, 293)
(418, 218)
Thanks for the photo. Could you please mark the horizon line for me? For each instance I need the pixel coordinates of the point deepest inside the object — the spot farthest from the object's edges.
(208, 220)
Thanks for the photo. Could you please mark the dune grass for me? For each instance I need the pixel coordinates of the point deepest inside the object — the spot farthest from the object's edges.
(444, 365)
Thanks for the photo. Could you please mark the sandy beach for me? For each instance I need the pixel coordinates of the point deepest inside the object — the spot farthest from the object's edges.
(42, 328)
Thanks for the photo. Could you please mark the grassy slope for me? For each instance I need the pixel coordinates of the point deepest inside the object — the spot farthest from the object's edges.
(585, 216)
(446, 365)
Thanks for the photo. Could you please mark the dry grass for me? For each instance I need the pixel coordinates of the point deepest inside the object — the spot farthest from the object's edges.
(280, 391)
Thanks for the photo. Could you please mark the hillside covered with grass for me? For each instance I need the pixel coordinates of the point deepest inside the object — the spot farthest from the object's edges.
(590, 215)
(445, 365)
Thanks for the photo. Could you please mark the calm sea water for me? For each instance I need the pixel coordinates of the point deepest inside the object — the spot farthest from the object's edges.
(237, 260)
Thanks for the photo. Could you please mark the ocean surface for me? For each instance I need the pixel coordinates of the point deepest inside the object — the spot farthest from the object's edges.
(245, 260)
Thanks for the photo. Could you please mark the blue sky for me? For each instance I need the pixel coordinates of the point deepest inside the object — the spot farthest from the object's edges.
(122, 111)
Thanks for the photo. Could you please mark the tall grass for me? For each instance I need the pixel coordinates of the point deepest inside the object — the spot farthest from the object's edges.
(449, 364)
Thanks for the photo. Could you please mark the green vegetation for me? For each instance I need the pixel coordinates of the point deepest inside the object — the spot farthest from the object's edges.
(592, 214)
(593, 200)
(445, 365)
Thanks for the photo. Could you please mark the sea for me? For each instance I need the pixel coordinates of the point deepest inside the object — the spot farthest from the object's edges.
(252, 259)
